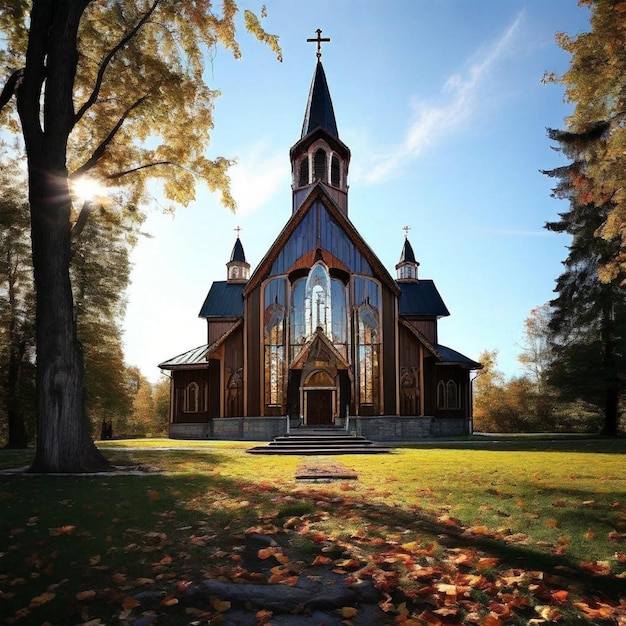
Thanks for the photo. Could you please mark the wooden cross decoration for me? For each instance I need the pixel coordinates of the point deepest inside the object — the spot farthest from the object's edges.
(319, 39)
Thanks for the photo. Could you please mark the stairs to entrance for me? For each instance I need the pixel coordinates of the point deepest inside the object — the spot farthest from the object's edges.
(322, 441)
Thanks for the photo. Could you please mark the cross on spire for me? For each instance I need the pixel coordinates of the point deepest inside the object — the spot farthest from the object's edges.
(237, 230)
(406, 230)
(319, 39)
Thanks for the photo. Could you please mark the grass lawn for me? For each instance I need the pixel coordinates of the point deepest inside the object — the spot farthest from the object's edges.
(482, 531)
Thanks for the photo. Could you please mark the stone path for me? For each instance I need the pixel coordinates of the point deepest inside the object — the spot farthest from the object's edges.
(324, 471)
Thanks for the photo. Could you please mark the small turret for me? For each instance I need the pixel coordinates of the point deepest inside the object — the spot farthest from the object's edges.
(407, 266)
(238, 270)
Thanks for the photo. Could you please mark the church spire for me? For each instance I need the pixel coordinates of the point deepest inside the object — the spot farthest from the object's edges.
(407, 266)
(238, 270)
(319, 107)
(320, 156)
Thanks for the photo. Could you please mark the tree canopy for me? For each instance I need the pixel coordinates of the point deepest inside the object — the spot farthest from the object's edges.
(115, 89)
(595, 83)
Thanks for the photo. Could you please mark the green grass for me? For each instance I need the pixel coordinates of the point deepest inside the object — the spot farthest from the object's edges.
(529, 503)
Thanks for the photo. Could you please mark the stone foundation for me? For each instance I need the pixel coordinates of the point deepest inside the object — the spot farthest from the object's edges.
(377, 428)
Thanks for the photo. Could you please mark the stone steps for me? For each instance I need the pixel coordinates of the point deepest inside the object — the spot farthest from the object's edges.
(319, 443)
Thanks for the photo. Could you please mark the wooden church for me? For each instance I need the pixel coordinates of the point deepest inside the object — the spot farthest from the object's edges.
(320, 333)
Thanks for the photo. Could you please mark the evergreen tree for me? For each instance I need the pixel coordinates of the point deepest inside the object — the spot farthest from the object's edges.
(588, 320)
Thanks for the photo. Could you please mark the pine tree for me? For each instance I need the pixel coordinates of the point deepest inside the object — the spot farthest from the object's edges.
(588, 320)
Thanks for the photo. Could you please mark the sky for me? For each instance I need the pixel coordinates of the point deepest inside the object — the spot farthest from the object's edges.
(442, 105)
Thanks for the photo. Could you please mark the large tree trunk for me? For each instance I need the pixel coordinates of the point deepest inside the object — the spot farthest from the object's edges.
(64, 442)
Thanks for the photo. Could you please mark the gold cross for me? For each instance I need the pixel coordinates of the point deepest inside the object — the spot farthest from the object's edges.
(319, 39)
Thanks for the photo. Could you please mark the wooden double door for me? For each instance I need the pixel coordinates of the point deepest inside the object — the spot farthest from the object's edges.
(319, 407)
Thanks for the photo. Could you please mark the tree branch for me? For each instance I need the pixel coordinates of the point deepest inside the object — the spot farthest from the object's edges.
(9, 87)
(81, 221)
(101, 149)
(109, 57)
(117, 175)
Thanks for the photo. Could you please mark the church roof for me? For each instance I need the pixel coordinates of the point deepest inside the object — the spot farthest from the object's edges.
(319, 107)
(318, 192)
(421, 298)
(223, 300)
(238, 253)
(407, 253)
(452, 357)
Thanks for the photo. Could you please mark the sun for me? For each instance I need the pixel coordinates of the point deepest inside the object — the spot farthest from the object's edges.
(87, 189)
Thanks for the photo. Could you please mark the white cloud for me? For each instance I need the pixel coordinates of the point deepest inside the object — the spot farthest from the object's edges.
(257, 177)
(458, 104)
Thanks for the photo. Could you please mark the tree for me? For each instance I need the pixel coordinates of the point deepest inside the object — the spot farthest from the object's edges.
(16, 305)
(100, 274)
(115, 89)
(536, 354)
(588, 319)
(595, 83)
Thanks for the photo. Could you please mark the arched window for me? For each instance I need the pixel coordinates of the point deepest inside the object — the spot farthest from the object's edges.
(274, 330)
(304, 172)
(192, 398)
(335, 173)
(452, 398)
(319, 165)
(369, 348)
(441, 395)
(317, 300)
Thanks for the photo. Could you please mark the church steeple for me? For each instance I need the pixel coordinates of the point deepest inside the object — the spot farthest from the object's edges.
(407, 266)
(319, 107)
(238, 270)
(319, 155)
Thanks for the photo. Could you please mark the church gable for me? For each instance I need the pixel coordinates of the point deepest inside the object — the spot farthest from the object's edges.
(319, 224)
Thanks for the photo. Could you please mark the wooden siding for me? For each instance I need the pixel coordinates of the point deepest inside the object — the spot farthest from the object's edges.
(253, 377)
(388, 365)
(409, 362)
(217, 328)
(181, 380)
(428, 328)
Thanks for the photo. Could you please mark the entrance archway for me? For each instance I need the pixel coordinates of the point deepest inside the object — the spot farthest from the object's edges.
(319, 393)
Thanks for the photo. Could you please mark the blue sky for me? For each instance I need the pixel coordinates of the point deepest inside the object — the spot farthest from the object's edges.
(442, 106)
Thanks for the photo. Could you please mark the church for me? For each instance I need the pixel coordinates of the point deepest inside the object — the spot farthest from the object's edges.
(320, 334)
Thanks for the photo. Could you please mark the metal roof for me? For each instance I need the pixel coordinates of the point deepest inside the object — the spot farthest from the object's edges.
(197, 356)
(223, 300)
(421, 298)
(407, 253)
(452, 357)
(319, 106)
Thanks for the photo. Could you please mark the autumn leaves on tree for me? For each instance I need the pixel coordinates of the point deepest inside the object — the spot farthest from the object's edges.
(86, 84)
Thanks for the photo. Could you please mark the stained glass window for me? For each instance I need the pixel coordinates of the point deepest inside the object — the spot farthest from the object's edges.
(274, 340)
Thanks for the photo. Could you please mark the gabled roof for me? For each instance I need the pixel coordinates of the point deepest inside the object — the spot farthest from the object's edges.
(319, 107)
(318, 338)
(318, 192)
(422, 299)
(198, 357)
(452, 357)
(223, 300)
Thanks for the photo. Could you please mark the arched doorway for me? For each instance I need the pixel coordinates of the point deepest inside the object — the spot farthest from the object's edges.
(319, 398)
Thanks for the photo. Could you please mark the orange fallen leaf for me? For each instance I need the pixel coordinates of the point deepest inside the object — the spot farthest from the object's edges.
(347, 612)
(129, 603)
(221, 606)
(85, 595)
(41, 599)
(321, 560)
(61, 530)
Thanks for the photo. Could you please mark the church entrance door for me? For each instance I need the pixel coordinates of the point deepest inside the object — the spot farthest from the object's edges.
(319, 407)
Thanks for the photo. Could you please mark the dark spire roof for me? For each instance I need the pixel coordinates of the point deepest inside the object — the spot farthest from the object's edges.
(319, 107)
(407, 253)
(237, 253)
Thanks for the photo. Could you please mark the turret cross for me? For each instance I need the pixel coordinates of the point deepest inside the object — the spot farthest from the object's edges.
(237, 230)
(319, 39)
(406, 230)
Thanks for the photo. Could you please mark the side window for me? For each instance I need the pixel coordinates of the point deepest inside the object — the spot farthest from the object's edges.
(192, 398)
(441, 395)
(319, 165)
